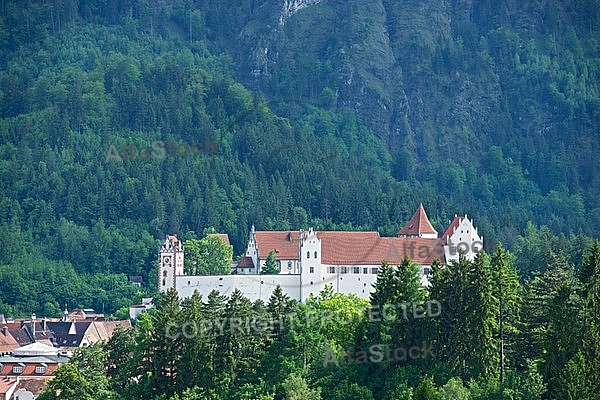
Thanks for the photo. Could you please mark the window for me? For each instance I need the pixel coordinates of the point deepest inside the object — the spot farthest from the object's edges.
(18, 369)
(312, 270)
(40, 369)
(453, 249)
(308, 254)
(357, 270)
(332, 270)
(344, 270)
(164, 282)
(165, 273)
(315, 254)
(365, 270)
(289, 265)
(375, 270)
(426, 271)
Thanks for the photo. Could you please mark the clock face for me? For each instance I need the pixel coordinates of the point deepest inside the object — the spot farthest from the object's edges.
(167, 260)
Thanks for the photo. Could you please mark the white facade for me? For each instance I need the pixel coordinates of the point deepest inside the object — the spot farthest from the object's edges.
(310, 260)
(170, 263)
(462, 237)
(254, 287)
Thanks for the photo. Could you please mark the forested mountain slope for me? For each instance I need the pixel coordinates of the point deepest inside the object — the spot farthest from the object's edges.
(332, 114)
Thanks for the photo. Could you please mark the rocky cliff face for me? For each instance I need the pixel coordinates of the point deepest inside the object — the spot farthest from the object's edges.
(436, 78)
(290, 7)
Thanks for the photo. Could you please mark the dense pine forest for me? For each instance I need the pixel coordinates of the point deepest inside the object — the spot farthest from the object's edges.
(339, 115)
(489, 337)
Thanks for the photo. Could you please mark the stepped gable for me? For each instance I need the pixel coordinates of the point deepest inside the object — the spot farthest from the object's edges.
(418, 226)
(452, 227)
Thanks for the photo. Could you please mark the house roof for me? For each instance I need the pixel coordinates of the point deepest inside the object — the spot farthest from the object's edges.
(35, 349)
(111, 326)
(7, 342)
(360, 249)
(69, 334)
(452, 227)
(418, 225)
(223, 236)
(284, 243)
(136, 279)
(245, 262)
(352, 248)
(33, 385)
(7, 384)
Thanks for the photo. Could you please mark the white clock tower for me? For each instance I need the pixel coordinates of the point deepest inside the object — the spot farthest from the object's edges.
(170, 263)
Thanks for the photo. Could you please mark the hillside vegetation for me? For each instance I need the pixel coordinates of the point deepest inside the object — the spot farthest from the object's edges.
(337, 115)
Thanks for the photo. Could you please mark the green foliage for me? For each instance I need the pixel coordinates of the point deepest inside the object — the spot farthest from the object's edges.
(327, 117)
(296, 388)
(82, 378)
(270, 266)
(207, 256)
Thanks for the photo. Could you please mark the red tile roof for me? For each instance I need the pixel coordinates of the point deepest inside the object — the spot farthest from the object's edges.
(285, 244)
(418, 225)
(7, 342)
(452, 227)
(223, 236)
(246, 262)
(361, 249)
(352, 248)
(6, 384)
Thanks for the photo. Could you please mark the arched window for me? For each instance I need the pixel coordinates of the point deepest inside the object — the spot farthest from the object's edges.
(315, 254)
(165, 273)
(308, 254)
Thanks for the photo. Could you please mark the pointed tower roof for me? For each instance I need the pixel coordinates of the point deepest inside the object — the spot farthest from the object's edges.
(418, 226)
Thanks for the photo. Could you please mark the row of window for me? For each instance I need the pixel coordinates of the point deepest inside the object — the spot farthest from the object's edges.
(308, 254)
(346, 270)
(18, 369)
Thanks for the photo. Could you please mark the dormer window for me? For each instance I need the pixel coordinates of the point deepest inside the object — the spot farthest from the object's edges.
(17, 369)
(40, 369)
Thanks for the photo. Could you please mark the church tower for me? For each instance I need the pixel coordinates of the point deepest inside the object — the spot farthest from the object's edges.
(170, 263)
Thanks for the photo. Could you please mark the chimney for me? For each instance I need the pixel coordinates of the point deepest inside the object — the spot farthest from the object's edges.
(33, 325)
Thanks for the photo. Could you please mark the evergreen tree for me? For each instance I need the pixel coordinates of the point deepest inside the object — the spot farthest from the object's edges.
(214, 312)
(270, 267)
(580, 378)
(507, 291)
(192, 327)
(166, 350)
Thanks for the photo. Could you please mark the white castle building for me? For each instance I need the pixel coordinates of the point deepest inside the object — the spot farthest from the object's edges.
(309, 260)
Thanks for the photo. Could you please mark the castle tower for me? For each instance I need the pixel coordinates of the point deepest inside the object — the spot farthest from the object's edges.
(418, 226)
(170, 262)
(311, 274)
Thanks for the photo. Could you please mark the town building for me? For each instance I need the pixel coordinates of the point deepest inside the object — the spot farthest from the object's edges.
(24, 374)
